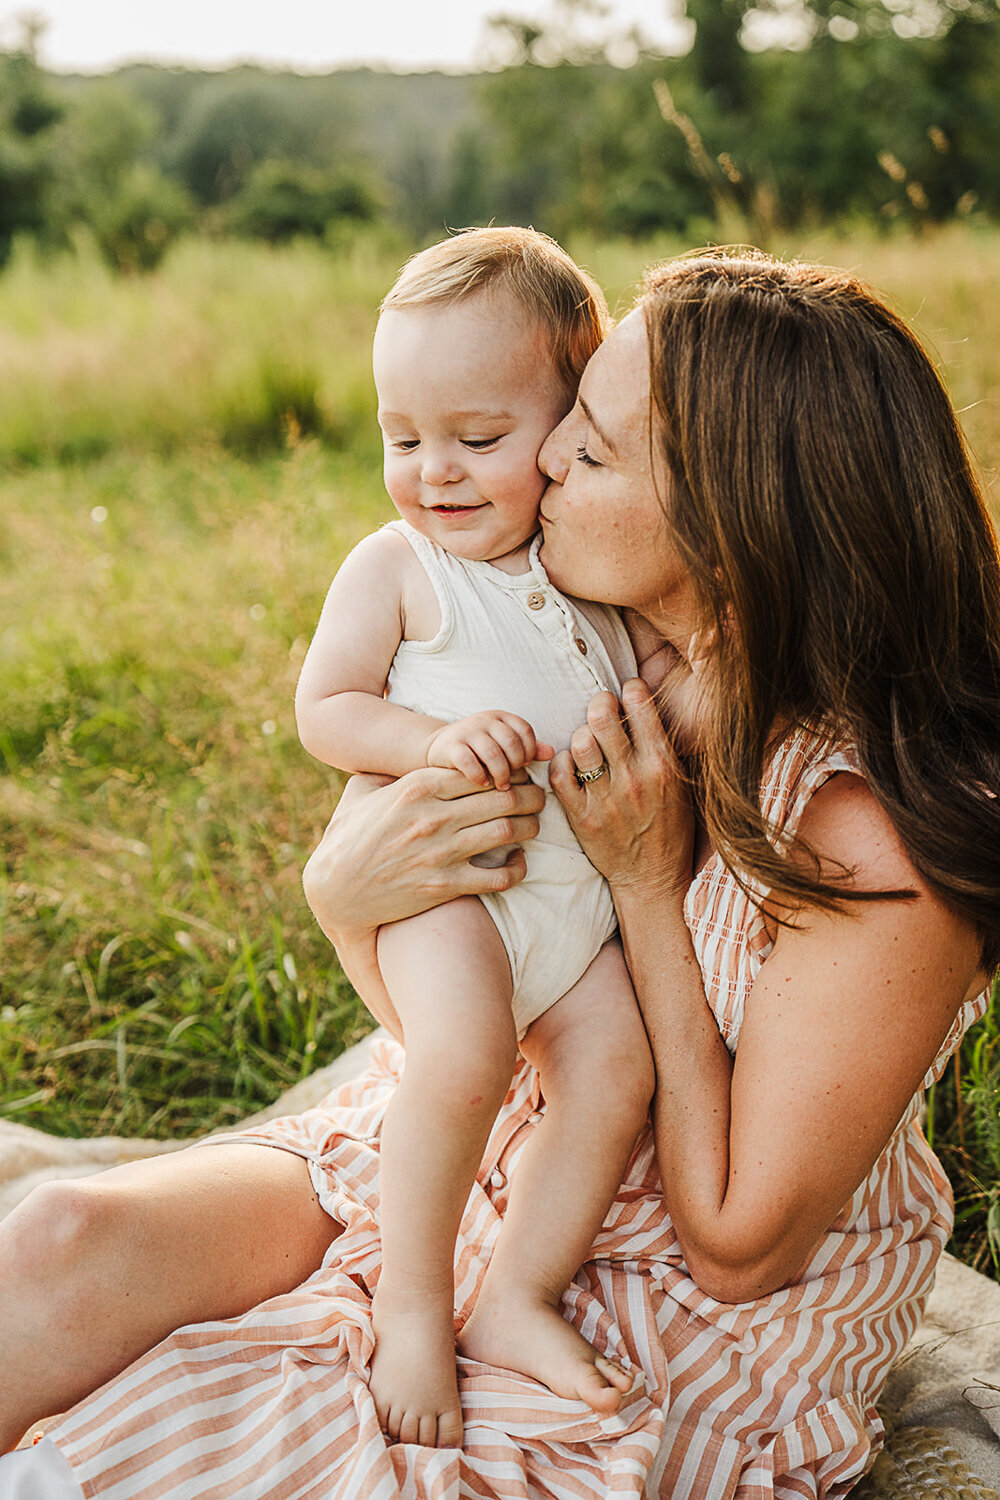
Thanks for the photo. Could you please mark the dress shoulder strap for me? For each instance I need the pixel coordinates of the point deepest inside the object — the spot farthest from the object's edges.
(800, 766)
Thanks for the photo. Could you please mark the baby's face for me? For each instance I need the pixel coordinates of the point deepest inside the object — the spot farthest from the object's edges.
(466, 396)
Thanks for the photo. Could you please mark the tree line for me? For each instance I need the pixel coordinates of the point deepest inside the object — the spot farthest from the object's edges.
(886, 111)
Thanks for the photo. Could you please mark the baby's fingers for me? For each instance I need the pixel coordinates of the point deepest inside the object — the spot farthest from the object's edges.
(515, 739)
(464, 758)
(494, 758)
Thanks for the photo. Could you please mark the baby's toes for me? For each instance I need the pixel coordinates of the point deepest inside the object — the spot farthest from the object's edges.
(613, 1373)
(449, 1429)
(598, 1394)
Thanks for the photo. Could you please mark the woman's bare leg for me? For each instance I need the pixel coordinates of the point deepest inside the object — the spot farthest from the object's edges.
(95, 1272)
(447, 973)
(597, 1080)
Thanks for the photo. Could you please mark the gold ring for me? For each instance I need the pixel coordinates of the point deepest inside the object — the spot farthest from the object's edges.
(584, 776)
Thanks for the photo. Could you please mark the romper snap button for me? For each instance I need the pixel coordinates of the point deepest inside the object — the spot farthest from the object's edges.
(497, 1179)
(535, 601)
(581, 644)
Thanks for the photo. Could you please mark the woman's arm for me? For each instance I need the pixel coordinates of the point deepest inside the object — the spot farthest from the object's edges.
(758, 1156)
(395, 848)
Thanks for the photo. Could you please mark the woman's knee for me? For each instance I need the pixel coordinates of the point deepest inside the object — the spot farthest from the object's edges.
(60, 1229)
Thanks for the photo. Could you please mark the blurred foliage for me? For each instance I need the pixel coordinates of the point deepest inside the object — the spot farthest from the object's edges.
(286, 200)
(783, 114)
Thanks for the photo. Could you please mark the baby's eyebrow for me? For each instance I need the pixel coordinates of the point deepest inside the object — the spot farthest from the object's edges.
(456, 417)
(480, 416)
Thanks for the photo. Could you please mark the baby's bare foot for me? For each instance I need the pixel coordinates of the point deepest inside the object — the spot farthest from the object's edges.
(516, 1328)
(413, 1380)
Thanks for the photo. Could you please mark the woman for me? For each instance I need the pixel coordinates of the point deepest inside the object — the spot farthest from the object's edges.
(763, 465)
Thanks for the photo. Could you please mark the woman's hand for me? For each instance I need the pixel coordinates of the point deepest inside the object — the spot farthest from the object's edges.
(634, 822)
(395, 848)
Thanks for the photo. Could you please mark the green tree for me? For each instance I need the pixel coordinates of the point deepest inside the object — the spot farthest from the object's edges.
(108, 182)
(283, 200)
(232, 130)
(29, 110)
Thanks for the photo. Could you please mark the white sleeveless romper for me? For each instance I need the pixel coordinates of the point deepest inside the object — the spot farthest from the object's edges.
(517, 644)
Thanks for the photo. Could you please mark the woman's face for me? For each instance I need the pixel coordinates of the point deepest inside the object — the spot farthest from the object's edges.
(606, 537)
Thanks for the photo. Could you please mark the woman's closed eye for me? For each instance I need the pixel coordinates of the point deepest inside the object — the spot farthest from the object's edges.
(586, 459)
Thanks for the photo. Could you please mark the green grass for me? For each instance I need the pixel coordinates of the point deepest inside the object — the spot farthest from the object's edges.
(160, 971)
(187, 458)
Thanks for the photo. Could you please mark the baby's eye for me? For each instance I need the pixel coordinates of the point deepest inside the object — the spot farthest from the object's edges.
(479, 445)
(405, 445)
(585, 458)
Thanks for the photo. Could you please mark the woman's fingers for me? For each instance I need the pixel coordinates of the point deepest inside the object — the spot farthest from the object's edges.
(604, 720)
(645, 726)
(585, 750)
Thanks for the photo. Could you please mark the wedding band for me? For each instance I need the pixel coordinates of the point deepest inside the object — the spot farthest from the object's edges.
(584, 776)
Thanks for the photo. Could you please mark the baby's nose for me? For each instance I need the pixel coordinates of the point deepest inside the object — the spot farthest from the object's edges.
(439, 468)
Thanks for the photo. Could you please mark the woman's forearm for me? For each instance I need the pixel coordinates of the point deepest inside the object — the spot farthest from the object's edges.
(738, 1243)
(691, 1107)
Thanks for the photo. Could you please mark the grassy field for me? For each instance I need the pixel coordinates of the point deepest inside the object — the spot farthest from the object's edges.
(187, 457)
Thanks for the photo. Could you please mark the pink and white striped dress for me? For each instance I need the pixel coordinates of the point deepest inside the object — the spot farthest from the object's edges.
(767, 1398)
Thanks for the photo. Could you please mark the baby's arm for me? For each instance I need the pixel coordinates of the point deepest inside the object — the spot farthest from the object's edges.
(342, 716)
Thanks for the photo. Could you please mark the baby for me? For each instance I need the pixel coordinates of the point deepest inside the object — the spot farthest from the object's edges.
(442, 643)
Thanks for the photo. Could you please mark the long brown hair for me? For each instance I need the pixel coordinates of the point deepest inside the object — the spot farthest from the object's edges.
(823, 498)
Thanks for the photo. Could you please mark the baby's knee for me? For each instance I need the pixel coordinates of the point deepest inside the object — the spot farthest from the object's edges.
(617, 1080)
(466, 1074)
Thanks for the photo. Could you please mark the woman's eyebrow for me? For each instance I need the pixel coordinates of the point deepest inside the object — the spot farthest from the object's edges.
(599, 430)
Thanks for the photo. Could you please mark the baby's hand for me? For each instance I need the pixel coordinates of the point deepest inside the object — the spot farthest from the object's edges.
(487, 747)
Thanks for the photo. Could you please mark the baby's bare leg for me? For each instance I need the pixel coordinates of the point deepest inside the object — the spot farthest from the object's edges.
(448, 976)
(597, 1080)
(94, 1273)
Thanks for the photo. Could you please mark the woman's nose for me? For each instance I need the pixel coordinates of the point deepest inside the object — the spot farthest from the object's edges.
(553, 456)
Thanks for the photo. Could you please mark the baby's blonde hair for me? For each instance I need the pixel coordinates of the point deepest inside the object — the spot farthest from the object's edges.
(528, 266)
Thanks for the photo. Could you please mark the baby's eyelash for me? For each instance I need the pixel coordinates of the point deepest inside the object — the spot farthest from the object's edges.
(585, 457)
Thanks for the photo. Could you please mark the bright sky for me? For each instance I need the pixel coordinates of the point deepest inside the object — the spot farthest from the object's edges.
(94, 35)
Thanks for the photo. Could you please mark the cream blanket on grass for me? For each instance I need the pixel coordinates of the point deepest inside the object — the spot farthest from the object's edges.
(942, 1400)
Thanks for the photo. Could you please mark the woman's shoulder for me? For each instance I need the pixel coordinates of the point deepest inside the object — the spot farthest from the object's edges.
(841, 827)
